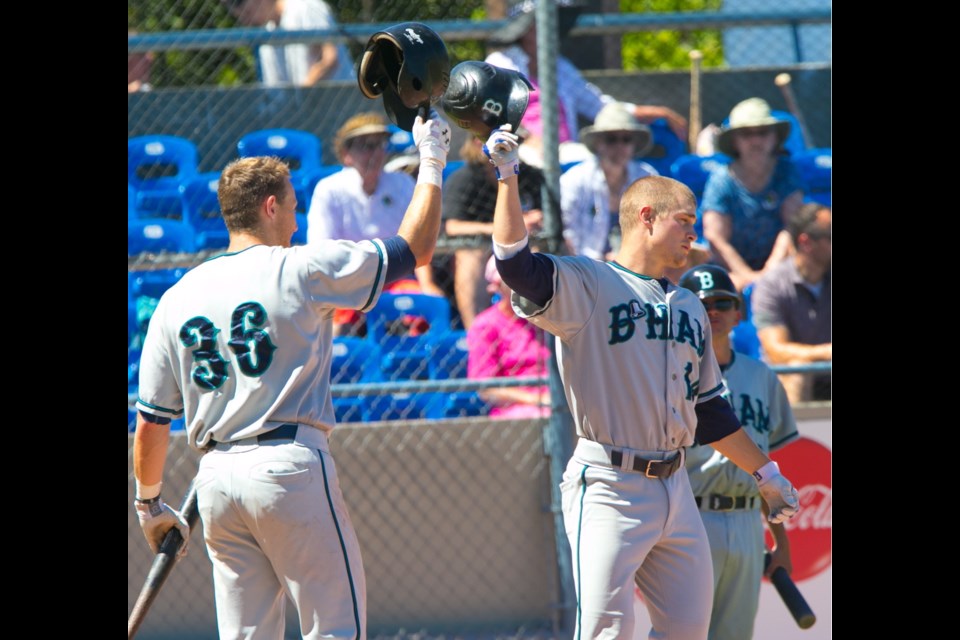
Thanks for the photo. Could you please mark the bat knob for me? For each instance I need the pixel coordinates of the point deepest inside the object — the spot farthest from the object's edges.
(782, 79)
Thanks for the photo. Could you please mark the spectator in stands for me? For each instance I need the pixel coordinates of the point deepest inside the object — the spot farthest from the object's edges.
(470, 193)
(139, 66)
(502, 345)
(791, 305)
(748, 203)
(590, 191)
(577, 97)
(301, 64)
(363, 201)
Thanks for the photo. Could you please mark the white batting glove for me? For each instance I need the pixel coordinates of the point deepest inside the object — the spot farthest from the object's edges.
(432, 138)
(503, 149)
(779, 494)
(156, 518)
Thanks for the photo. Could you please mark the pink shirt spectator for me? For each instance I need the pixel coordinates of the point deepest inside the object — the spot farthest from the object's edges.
(532, 120)
(502, 345)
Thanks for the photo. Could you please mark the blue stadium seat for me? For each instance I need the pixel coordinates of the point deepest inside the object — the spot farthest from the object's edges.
(144, 289)
(133, 370)
(160, 162)
(390, 325)
(354, 361)
(458, 404)
(131, 202)
(452, 165)
(448, 356)
(816, 171)
(794, 143)
(400, 141)
(693, 170)
(398, 406)
(201, 210)
(743, 337)
(301, 150)
(158, 236)
(667, 147)
(162, 202)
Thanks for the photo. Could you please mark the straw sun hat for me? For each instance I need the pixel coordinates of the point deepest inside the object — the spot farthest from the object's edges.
(749, 114)
(616, 117)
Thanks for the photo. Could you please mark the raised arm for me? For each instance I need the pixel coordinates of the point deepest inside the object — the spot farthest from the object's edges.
(421, 223)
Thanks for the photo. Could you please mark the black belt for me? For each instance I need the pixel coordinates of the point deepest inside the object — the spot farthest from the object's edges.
(726, 503)
(649, 468)
(283, 432)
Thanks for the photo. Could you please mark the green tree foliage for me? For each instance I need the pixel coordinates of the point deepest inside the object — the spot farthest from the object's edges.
(667, 50)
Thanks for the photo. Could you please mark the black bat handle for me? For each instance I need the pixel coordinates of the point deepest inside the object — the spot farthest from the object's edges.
(172, 540)
(791, 596)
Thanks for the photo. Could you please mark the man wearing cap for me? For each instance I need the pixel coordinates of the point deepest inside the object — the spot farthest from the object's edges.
(577, 97)
(590, 191)
(363, 201)
(728, 498)
(748, 203)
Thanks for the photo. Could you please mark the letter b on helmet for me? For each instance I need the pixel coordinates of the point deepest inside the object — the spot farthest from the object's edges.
(482, 97)
(709, 281)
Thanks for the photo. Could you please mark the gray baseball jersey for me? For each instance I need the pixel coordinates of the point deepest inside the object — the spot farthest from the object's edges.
(736, 535)
(247, 355)
(761, 404)
(634, 359)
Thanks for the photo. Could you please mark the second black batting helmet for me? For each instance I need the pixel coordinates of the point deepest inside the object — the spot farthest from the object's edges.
(482, 97)
(408, 64)
(710, 281)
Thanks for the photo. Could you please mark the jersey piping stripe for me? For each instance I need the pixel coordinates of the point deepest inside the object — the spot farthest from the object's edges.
(711, 392)
(175, 412)
(376, 281)
(343, 547)
(616, 265)
(583, 493)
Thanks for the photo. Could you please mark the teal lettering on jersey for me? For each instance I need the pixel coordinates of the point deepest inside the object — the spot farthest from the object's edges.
(657, 327)
(758, 419)
(622, 325)
(693, 386)
(252, 346)
(685, 332)
(209, 370)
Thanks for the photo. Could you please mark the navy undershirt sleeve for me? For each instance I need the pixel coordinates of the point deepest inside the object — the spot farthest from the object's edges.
(400, 259)
(715, 420)
(149, 417)
(529, 274)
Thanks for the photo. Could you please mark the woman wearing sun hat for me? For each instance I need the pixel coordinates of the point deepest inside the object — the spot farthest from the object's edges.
(590, 191)
(746, 204)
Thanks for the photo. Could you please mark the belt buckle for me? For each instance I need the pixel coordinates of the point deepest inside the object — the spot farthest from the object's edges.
(647, 470)
(716, 504)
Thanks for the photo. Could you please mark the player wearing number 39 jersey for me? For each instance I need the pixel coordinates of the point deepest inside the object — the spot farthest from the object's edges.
(642, 382)
(241, 347)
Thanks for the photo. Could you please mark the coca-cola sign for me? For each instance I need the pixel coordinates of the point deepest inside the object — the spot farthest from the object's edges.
(808, 464)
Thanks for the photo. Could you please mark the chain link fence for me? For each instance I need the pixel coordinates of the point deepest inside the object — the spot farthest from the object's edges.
(454, 521)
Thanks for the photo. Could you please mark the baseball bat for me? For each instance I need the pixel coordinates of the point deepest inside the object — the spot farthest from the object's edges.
(162, 564)
(783, 81)
(696, 120)
(791, 596)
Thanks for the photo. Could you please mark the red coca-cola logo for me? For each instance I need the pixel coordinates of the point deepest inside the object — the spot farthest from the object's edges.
(807, 464)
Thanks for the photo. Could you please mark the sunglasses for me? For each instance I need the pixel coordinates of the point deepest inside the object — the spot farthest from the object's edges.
(725, 304)
(622, 139)
(760, 131)
(367, 145)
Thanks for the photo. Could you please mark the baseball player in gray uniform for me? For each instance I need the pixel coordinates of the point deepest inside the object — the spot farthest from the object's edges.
(241, 347)
(640, 377)
(728, 498)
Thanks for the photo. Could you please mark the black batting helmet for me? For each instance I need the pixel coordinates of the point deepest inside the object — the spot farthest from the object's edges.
(482, 97)
(710, 281)
(408, 64)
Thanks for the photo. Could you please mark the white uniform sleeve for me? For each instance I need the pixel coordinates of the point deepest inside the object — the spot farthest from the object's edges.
(783, 425)
(158, 392)
(345, 274)
(575, 287)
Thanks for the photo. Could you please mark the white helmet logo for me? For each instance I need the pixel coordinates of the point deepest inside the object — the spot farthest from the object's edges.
(412, 35)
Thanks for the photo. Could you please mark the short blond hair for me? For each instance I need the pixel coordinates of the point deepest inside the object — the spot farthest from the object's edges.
(244, 185)
(660, 193)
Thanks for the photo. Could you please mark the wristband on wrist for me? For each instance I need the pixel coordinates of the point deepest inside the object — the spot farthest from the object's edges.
(767, 471)
(152, 500)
